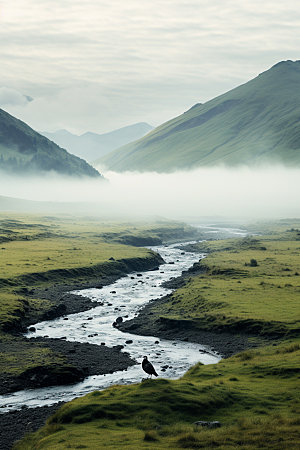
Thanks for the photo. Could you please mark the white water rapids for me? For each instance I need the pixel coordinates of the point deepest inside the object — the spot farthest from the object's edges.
(124, 298)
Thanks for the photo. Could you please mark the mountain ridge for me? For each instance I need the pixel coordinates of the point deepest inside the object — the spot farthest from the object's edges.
(91, 146)
(254, 123)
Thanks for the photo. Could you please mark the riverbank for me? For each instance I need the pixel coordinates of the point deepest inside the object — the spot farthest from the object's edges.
(75, 362)
(15, 424)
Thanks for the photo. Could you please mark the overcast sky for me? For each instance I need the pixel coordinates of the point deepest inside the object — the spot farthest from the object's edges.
(98, 65)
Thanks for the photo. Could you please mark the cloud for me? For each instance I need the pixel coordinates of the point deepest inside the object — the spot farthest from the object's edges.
(11, 97)
(174, 52)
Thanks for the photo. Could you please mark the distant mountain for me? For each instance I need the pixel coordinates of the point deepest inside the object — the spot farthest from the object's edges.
(92, 146)
(24, 151)
(255, 123)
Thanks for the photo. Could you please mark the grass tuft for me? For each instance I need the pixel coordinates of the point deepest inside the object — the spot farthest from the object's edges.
(151, 436)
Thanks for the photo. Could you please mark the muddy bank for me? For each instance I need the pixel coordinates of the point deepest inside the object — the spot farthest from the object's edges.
(224, 343)
(15, 424)
(147, 323)
(58, 292)
(79, 361)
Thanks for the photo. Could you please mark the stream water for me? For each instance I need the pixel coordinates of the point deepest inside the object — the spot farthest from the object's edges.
(123, 298)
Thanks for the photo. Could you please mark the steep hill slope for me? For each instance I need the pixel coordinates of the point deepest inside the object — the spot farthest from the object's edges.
(92, 146)
(255, 123)
(24, 151)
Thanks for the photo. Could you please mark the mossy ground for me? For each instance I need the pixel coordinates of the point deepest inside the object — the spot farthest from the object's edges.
(254, 394)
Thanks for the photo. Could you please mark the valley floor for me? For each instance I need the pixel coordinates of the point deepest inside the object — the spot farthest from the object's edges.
(246, 288)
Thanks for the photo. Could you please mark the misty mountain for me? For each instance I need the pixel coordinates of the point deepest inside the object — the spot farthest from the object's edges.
(255, 123)
(92, 146)
(24, 151)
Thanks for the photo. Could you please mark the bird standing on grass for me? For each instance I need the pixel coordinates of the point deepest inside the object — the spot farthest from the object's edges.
(148, 368)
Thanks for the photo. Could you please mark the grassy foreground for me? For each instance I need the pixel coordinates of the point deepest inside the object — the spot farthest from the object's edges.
(38, 252)
(254, 394)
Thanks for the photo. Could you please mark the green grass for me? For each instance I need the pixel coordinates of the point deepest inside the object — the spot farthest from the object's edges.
(235, 296)
(254, 394)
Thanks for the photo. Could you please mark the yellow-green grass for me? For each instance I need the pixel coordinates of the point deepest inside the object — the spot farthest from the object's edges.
(41, 251)
(42, 255)
(233, 294)
(253, 394)
(23, 356)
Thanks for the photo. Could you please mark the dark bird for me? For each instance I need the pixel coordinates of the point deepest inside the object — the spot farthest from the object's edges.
(148, 368)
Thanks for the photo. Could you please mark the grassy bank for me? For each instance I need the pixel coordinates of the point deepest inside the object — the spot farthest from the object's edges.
(246, 285)
(40, 252)
(254, 396)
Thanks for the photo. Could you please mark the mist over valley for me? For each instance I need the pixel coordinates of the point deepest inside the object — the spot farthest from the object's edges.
(240, 193)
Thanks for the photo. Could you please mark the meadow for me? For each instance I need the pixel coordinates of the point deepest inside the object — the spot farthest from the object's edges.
(254, 394)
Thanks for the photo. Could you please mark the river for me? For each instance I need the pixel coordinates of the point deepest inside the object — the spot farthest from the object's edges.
(121, 299)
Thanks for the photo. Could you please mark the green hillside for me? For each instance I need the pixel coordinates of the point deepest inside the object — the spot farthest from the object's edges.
(255, 123)
(24, 151)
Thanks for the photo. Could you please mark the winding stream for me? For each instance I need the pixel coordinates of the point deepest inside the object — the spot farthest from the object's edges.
(123, 298)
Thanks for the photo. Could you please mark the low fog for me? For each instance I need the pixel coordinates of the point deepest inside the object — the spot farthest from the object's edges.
(207, 192)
